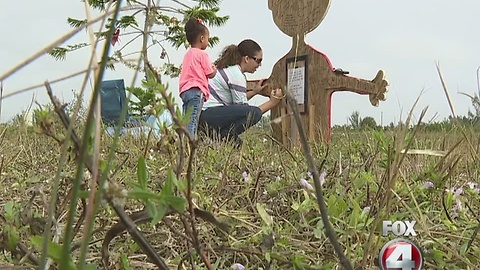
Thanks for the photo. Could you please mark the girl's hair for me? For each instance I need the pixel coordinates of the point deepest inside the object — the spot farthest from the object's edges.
(232, 54)
(193, 29)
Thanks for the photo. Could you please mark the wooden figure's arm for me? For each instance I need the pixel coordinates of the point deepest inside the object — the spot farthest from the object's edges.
(375, 88)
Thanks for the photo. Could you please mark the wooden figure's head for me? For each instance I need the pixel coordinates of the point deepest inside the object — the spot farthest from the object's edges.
(298, 16)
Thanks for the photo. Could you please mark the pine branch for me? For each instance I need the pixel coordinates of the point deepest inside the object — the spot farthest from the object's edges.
(60, 53)
(77, 46)
(172, 26)
(209, 3)
(176, 40)
(208, 15)
(97, 4)
(102, 34)
(218, 21)
(127, 21)
(176, 35)
(76, 23)
(213, 41)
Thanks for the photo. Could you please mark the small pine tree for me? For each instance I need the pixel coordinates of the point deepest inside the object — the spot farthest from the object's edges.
(165, 21)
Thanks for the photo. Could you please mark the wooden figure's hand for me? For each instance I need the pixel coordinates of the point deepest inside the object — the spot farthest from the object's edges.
(375, 88)
(381, 89)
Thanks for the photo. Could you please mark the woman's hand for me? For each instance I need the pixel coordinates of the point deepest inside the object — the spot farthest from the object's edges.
(259, 86)
(276, 95)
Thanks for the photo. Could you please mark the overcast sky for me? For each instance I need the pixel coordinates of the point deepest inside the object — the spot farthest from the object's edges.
(404, 38)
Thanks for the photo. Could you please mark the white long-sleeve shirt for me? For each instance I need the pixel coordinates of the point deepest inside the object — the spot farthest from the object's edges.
(227, 88)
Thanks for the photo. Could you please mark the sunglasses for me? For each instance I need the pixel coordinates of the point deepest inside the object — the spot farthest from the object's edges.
(258, 60)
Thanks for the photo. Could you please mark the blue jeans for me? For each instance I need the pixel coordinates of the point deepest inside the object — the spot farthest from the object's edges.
(229, 121)
(192, 100)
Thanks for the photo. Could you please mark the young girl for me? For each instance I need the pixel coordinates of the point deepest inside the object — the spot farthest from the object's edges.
(196, 69)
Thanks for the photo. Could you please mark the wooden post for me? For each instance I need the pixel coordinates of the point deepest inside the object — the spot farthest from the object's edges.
(311, 126)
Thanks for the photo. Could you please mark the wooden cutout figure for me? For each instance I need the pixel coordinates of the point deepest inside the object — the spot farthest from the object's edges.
(314, 74)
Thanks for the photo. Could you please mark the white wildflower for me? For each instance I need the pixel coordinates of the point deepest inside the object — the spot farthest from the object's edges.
(304, 183)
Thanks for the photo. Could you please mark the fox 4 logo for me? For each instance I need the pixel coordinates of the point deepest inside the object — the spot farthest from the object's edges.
(400, 253)
(399, 228)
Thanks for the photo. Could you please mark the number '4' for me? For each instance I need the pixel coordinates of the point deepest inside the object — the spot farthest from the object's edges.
(405, 263)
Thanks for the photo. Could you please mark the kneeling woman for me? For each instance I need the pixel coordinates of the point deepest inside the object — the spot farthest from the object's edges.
(227, 112)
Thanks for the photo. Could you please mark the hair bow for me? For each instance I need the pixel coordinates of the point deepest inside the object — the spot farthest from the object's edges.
(199, 20)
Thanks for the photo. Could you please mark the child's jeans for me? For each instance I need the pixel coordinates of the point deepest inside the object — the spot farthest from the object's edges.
(192, 98)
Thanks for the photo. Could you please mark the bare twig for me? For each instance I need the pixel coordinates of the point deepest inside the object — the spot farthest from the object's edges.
(90, 208)
(181, 157)
(40, 85)
(1, 99)
(455, 120)
(445, 90)
(475, 232)
(138, 218)
(82, 218)
(189, 233)
(52, 205)
(117, 169)
(146, 29)
(182, 4)
(194, 235)
(344, 261)
(142, 217)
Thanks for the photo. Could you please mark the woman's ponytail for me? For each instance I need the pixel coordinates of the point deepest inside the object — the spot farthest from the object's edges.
(230, 56)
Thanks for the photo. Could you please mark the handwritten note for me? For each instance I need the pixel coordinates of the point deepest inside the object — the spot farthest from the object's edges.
(296, 84)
